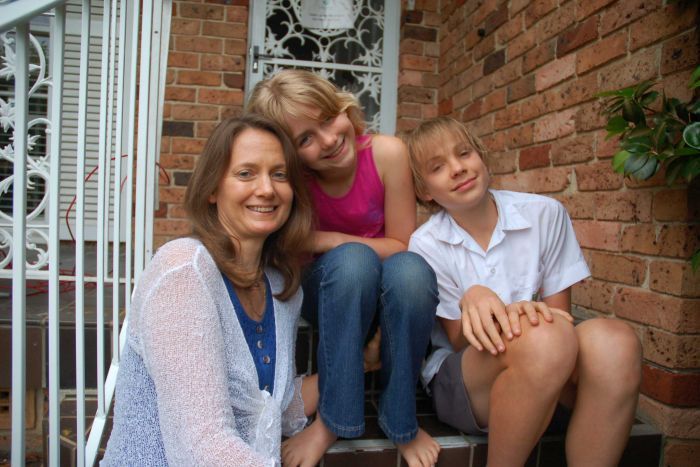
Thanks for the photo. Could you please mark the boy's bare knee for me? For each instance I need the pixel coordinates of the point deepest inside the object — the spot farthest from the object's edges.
(546, 352)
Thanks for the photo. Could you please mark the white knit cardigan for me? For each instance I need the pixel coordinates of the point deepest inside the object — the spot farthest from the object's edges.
(187, 391)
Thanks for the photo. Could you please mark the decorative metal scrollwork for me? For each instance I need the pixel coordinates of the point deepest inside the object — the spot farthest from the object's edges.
(356, 52)
(36, 240)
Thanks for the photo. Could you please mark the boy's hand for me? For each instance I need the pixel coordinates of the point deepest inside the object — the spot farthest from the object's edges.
(483, 313)
(531, 309)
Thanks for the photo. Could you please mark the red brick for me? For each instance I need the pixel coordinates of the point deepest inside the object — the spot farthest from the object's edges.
(557, 21)
(507, 117)
(411, 46)
(578, 35)
(519, 136)
(482, 125)
(522, 43)
(580, 205)
(680, 53)
(679, 241)
(191, 10)
(231, 111)
(198, 44)
(222, 63)
(485, 47)
(237, 14)
(483, 10)
(201, 78)
(495, 142)
(221, 97)
(662, 23)
(576, 149)
(672, 350)
(445, 107)
(597, 176)
(234, 80)
(598, 235)
(185, 94)
(540, 55)
(671, 387)
(205, 129)
(502, 162)
(522, 88)
(416, 94)
(509, 30)
(174, 227)
(507, 73)
(640, 238)
(464, 97)
(681, 453)
(539, 104)
(577, 91)
(183, 60)
(555, 125)
(187, 145)
(589, 117)
(176, 161)
(640, 66)
(517, 5)
(624, 269)
(235, 47)
(176, 211)
(415, 62)
(194, 112)
(674, 314)
(594, 294)
(623, 13)
(673, 277)
(532, 157)
(671, 205)
(606, 148)
(171, 194)
(494, 101)
(555, 72)
(538, 9)
(185, 26)
(546, 180)
(410, 77)
(482, 87)
(601, 52)
(674, 422)
(630, 206)
(223, 29)
(585, 8)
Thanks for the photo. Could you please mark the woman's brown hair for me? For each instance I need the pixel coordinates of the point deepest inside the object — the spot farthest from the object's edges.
(283, 249)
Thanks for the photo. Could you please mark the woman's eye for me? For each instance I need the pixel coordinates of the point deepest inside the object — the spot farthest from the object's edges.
(280, 176)
(244, 174)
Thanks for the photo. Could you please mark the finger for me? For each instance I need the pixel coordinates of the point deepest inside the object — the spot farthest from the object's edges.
(544, 310)
(479, 332)
(468, 331)
(531, 312)
(499, 312)
(563, 313)
(492, 332)
(514, 318)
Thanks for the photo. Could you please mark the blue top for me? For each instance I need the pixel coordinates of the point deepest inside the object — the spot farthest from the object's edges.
(260, 335)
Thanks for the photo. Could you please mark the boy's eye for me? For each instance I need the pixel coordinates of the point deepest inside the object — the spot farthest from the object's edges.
(435, 167)
(279, 176)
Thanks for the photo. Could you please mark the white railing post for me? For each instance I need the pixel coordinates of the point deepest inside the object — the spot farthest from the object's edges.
(19, 264)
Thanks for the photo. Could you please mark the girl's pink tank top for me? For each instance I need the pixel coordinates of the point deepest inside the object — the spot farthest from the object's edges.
(360, 211)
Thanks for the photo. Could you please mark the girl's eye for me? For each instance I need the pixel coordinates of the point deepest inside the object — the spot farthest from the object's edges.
(279, 175)
(304, 141)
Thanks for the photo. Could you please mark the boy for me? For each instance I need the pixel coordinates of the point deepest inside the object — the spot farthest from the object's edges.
(493, 253)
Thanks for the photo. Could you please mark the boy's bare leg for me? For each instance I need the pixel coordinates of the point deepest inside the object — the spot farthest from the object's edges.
(421, 451)
(607, 381)
(515, 393)
(306, 449)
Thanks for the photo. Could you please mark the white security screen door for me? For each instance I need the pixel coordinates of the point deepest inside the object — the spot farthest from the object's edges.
(353, 43)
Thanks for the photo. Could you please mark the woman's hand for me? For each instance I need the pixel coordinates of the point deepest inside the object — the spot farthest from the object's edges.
(483, 313)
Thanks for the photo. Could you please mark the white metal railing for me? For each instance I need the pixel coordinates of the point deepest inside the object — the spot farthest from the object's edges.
(133, 39)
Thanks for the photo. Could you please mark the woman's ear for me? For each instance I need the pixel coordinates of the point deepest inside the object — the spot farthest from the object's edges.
(212, 198)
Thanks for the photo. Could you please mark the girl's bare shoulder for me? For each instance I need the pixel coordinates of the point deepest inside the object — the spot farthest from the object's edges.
(388, 150)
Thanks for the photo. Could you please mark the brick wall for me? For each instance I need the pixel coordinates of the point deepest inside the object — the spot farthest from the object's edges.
(522, 74)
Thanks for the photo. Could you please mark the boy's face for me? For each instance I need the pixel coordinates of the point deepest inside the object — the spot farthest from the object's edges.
(455, 176)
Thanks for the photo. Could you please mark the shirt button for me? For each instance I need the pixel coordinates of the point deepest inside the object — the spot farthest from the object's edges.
(266, 388)
(259, 329)
(259, 344)
(493, 270)
(266, 359)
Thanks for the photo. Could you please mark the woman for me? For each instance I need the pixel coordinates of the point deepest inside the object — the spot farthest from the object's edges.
(207, 376)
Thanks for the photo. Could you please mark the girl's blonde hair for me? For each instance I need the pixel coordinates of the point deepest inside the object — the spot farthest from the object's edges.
(283, 249)
(290, 93)
(424, 139)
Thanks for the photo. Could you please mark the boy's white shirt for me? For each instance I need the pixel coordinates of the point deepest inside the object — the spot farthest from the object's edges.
(533, 249)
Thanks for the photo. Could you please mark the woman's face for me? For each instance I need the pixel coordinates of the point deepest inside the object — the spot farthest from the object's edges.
(323, 145)
(254, 197)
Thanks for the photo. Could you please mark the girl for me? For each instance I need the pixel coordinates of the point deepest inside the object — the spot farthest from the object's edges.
(362, 191)
(207, 374)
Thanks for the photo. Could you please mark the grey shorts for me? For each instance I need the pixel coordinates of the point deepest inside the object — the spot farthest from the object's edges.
(453, 406)
(450, 397)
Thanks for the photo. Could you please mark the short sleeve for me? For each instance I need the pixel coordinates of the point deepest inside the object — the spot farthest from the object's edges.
(563, 262)
(449, 291)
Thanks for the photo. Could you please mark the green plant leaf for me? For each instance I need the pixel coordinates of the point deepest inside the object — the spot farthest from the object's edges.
(691, 168)
(695, 260)
(694, 108)
(618, 161)
(641, 166)
(691, 135)
(616, 125)
(624, 92)
(673, 168)
(648, 98)
(639, 144)
(632, 112)
(695, 79)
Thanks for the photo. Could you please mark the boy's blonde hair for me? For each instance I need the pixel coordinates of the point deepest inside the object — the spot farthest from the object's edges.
(286, 93)
(422, 142)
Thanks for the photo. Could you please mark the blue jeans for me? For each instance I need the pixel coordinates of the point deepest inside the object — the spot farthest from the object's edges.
(344, 290)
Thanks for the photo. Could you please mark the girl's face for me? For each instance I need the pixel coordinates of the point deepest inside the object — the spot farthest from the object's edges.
(455, 175)
(323, 145)
(254, 197)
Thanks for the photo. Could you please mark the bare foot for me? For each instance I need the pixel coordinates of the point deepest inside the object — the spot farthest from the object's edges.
(421, 451)
(373, 361)
(306, 449)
